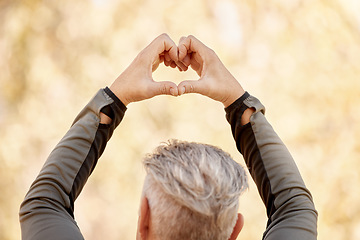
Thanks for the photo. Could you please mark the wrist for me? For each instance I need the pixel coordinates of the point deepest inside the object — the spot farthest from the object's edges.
(233, 97)
(233, 88)
(115, 89)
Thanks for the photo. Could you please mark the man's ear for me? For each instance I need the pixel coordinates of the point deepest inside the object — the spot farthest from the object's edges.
(144, 219)
(238, 226)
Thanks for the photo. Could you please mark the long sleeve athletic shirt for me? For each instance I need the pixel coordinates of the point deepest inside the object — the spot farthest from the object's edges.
(47, 211)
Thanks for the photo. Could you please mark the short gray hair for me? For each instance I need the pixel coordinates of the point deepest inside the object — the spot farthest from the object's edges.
(193, 191)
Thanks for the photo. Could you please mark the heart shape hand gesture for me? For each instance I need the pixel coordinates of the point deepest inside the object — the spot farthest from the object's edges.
(136, 82)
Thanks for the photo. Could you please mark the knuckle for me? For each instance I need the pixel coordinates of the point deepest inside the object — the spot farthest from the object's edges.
(163, 89)
(140, 58)
(182, 50)
(211, 56)
(141, 54)
(211, 51)
(189, 88)
(164, 36)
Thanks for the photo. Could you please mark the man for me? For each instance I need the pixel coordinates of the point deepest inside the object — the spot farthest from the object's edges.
(191, 190)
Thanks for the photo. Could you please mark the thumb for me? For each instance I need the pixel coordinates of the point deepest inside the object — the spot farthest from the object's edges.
(190, 86)
(163, 88)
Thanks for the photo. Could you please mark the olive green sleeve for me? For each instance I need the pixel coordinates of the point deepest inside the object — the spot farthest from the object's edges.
(47, 211)
(290, 208)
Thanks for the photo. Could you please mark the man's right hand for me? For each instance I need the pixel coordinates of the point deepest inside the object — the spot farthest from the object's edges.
(136, 82)
(215, 80)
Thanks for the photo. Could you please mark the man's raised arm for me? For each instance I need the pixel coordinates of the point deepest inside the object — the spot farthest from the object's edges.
(290, 208)
(47, 211)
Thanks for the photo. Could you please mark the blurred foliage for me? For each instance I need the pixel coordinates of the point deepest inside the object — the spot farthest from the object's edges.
(300, 57)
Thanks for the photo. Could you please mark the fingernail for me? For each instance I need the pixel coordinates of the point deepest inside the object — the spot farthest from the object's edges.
(173, 91)
(182, 90)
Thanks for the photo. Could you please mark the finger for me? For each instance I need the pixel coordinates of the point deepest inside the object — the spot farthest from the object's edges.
(157, 62)
(161, 44)
(168, 46)
(173, 52)
(181, 66)
(181, 39)
(163, 88)
(190, 44)
(197, 58)
(173, 65)
(187, 60)
(196, 66)
(167, 56)
(191, 86)
(167, 63)
(155, 66)
(182, 50)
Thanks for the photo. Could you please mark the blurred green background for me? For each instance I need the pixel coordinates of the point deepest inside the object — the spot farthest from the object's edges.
(301, 58)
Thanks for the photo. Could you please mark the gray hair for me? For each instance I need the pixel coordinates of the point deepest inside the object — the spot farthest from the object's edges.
(193, 191)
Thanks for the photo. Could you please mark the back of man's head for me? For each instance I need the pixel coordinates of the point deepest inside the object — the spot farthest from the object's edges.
(193, 191)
